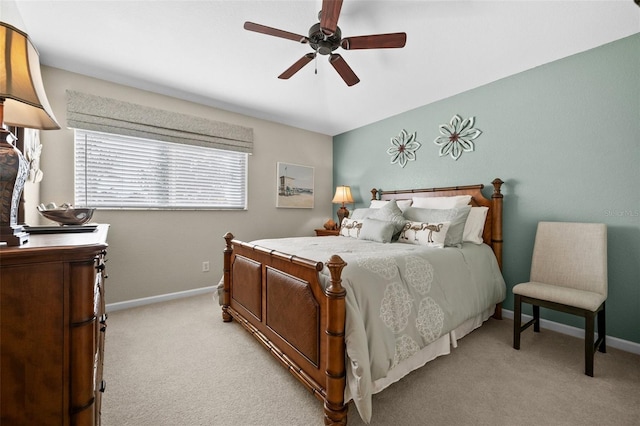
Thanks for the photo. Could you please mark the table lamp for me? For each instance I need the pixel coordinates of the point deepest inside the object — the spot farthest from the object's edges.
(343, 195)
(23, 103)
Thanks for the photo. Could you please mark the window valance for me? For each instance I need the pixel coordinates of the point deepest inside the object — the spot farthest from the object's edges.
(90, 112)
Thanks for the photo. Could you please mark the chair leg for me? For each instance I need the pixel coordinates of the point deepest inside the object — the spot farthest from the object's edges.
(536, 317)
(589, 332)
(517, 320)
(602, 330)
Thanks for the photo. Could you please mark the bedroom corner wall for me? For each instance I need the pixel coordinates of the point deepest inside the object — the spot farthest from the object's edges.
(563, 137)
(157, 252)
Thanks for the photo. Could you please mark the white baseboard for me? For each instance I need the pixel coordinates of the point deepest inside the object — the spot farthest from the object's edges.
(614, 342)
(112, 307)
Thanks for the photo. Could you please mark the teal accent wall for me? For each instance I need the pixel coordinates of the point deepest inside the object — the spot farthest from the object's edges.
(565, 138)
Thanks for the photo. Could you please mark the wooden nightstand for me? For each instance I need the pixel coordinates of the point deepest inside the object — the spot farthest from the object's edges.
(325, 232)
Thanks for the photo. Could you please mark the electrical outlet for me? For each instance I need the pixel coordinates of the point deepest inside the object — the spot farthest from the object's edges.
(205, 266)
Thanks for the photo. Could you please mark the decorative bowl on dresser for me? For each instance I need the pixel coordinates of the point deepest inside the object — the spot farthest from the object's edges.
(67, 214)
(52, 323)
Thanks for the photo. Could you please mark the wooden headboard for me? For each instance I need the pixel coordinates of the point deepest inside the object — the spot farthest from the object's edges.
(492, 234)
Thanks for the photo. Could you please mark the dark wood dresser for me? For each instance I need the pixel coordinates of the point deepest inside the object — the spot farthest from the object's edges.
(52, 327)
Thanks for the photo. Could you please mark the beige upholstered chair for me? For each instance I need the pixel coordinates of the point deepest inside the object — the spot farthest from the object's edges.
(568, 274)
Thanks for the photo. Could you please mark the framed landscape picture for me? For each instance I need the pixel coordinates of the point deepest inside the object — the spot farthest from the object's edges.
(294, 186)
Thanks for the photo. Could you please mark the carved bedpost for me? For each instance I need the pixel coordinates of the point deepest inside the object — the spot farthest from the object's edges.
(335, 412)
(374, 194)
(226, 294)
(496, 232)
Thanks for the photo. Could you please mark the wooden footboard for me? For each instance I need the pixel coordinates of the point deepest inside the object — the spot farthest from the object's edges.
(280, 300)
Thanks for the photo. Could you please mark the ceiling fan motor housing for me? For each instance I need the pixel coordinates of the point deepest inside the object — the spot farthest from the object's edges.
(322, 43)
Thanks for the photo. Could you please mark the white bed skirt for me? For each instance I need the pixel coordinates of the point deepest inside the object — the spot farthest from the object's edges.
(442, 346)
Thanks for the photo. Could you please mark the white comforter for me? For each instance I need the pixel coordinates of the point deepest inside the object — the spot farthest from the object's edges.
(400, 298)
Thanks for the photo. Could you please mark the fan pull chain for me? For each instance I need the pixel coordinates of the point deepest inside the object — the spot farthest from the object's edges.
(315, 63)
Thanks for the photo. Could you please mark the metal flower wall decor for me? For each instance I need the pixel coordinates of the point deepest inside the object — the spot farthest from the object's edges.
(457, 137)
(403, 148)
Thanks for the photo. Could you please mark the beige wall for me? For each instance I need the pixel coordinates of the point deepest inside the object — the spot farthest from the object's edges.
(159, 252)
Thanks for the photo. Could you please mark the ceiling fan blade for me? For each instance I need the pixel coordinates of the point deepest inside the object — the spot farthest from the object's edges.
(263, 29)
(329, 16)
(297, 66)
(344, 70)
(376, 41)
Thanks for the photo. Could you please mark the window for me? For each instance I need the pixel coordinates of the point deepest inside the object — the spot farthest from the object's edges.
(124, 172)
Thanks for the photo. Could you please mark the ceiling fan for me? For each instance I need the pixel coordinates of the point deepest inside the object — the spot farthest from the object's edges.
(325, 37)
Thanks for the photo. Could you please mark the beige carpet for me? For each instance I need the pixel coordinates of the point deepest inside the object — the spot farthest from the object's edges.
(177, 364)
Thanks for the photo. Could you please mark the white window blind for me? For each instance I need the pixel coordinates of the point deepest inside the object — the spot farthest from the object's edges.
(115, 171)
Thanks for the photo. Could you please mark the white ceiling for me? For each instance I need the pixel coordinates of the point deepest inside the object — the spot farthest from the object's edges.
(199, 51)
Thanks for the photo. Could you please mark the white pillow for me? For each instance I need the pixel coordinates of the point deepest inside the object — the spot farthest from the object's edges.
(350, 228)
(474, 226)
(426, 234)
(457, 217)
(441, 202)
(403, 204)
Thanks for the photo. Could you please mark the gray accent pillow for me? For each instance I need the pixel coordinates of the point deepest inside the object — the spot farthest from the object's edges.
(457, 217)
(390, 212)
(361, 213)
(376, 230)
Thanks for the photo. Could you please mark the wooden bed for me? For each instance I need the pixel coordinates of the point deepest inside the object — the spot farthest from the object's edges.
(279, 299)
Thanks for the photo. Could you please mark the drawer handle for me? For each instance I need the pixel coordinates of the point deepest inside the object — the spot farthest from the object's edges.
(103, 386)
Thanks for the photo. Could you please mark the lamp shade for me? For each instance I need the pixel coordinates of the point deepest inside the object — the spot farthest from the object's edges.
(21, 88)
(343, 195)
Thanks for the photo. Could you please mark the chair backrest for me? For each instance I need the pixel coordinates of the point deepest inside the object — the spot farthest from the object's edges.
(571, 255)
